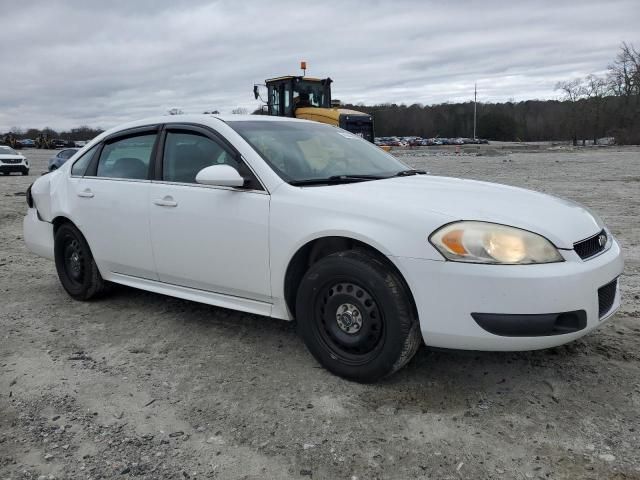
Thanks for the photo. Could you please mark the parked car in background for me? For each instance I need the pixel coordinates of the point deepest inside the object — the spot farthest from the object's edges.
(59, 158)
(80, 143)
(368, 255)
(27, 143)
(61, 143)
(12, 161)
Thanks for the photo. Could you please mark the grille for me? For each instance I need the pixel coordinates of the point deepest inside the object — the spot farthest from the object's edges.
(606, 296)
(11, 160)
(591, 246)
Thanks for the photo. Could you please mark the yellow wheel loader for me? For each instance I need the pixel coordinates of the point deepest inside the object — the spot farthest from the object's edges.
(310, 98)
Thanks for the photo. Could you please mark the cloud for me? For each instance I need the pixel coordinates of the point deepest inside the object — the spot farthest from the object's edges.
(101, 63)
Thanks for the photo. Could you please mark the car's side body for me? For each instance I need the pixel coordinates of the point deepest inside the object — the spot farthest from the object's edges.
(244, 248)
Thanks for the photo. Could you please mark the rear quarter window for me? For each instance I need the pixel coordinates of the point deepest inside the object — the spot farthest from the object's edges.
(80, 166)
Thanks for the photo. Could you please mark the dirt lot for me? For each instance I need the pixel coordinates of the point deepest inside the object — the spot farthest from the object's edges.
(146, 386)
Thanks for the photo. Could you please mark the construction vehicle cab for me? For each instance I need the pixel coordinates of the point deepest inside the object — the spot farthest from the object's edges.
(310, 98)
(287, 94)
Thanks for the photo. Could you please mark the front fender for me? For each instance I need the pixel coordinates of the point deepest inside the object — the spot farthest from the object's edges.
(293, 224)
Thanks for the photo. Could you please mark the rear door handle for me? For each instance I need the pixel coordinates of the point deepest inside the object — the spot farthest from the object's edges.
(167, 201)
(86, 193)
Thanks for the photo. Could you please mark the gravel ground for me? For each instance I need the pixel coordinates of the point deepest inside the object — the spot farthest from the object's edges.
(146, 386)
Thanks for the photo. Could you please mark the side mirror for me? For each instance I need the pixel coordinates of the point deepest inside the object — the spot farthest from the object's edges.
(255, 91)
(220, 175)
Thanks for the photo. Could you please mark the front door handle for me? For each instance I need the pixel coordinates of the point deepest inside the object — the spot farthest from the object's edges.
(167, 201)
(86, 193)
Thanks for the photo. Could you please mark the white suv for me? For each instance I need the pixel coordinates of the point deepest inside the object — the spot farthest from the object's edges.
(11, 161)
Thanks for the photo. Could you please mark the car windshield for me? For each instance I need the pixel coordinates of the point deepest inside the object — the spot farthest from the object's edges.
(7, 151)
(306, 152)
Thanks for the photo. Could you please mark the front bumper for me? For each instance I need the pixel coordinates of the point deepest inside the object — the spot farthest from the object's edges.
(14, 167)
(448, 293)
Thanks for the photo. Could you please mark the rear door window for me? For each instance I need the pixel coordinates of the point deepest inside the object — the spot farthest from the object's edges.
(128, 158)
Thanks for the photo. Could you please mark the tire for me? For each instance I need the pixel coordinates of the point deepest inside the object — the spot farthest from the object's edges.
(76, 268)
(356, 316)
(25, 172)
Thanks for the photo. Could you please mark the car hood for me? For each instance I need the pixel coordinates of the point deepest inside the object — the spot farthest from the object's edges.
(561, 221)
(10, 156)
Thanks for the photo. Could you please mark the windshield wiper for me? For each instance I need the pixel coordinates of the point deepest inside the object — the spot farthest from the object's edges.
(407, 173)
(335, 180)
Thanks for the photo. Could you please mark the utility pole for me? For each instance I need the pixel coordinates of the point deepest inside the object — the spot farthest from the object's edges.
(475, 98)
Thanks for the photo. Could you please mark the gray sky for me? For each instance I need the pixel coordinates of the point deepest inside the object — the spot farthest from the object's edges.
(100, 63)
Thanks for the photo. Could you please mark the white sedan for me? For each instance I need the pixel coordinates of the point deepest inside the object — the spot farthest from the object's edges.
(298, 220)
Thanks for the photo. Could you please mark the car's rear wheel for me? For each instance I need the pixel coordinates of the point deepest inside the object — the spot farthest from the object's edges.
(356, 316)
(75, 265)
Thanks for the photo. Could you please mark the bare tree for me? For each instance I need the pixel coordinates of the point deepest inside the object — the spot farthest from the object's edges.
(240, 111)
(595, 89)
(624, 81)
(624, 72)
(573, 91)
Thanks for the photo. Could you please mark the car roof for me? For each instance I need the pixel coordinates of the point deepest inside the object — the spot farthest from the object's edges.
(204, 118)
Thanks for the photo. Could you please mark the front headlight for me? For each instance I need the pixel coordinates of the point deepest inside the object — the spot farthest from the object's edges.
(482, 242)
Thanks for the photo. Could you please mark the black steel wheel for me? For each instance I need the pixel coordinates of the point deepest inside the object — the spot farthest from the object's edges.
(356, 316)
(73, 260)
(77, 271)
(348, 321)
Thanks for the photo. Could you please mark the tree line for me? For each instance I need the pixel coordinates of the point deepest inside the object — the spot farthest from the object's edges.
(590, 108)
(74, 134)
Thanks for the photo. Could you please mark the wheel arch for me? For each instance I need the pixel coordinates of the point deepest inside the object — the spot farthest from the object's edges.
(60, 220)
(320, 247)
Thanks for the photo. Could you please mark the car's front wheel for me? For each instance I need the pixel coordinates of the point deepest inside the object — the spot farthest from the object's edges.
(356, 316)
(75, 265)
